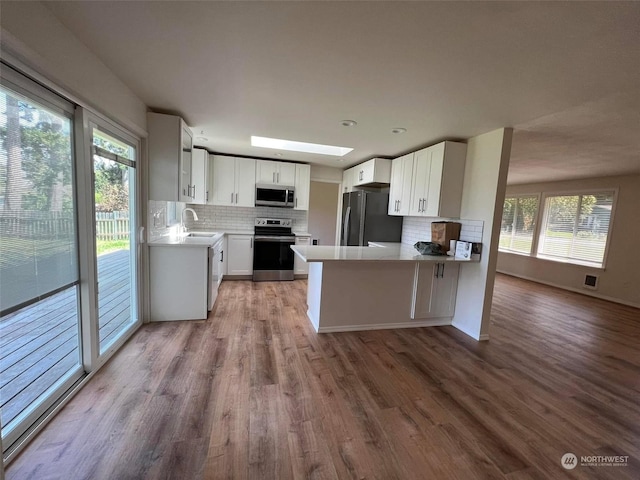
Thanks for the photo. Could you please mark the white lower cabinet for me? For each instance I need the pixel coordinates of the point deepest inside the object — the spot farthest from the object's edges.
(434, 290)
(300, 267)
(178, 279)
(239, 255)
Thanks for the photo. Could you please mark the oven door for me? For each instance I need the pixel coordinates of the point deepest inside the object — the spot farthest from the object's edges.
(272, 258)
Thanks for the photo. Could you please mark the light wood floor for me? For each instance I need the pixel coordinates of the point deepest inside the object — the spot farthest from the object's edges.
(254, 393)
(39, 343)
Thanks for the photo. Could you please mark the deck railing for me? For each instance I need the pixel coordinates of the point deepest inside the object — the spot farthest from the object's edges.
(52, 225)
(112, 225)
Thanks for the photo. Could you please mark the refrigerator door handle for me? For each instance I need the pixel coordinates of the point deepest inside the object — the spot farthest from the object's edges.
(345, 227)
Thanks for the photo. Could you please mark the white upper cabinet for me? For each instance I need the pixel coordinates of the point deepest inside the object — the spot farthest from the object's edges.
(347, 180)
(302, 186)
(200, 176)
(275, 173)
(438, 178)
(170, 150)
(234, 181)
(429, 182)
(376, 171)
(400, 188)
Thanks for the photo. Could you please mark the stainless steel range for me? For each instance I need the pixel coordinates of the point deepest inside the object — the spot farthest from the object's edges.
(272, 254)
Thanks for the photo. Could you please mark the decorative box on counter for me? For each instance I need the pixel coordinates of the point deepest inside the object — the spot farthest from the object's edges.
(444, 232)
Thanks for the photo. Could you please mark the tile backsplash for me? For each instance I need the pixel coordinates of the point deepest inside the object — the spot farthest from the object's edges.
(214, 217)
(415, 229)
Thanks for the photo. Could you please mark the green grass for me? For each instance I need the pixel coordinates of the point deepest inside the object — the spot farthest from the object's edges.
(106, 246)
(18, 251)
(520, 244)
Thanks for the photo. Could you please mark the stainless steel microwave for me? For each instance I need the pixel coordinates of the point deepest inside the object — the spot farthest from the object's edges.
(274, 195)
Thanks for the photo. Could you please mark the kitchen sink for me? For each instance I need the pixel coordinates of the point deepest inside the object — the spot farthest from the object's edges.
(202, 234)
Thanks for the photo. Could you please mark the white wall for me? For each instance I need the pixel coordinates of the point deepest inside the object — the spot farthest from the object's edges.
(33, 35)
(323, 211)
(485, 179)
(620, 279)
(320, 173)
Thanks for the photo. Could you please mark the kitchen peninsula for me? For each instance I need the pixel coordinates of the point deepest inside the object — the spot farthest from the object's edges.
(388, 285)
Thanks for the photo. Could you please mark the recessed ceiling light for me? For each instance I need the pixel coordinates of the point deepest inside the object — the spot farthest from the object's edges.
(398, 130)
(277, 154)
(348, 123)
(293, 146)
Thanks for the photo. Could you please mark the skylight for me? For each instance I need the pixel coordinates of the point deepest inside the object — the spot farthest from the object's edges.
(290, 145)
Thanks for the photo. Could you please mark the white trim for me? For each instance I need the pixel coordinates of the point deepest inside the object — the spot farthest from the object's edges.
(586, 292)
(481, 338)
(437, 322)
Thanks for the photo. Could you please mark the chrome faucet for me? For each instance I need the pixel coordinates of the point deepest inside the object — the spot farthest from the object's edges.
(195, 217)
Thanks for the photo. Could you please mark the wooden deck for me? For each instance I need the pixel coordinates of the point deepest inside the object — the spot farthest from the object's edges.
(39, 344)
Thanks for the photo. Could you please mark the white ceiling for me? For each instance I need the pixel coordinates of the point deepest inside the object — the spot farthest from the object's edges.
(566, 76)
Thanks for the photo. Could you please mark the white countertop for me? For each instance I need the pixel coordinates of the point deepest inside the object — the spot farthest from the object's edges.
(184, 241)
(385, 252)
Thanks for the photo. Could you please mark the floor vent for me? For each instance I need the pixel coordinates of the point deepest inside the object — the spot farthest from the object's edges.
(591, 281)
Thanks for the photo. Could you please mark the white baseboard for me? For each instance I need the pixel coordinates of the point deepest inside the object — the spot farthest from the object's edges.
(589, 293)
(482, 338)
(437, 322)
(312, 320)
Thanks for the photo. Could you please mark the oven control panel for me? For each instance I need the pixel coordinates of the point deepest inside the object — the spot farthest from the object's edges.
(273, 222)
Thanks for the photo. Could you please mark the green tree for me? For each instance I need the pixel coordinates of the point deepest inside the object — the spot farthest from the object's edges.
(38, 172)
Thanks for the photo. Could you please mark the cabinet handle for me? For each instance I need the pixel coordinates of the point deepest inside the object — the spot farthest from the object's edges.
(436, 270)
(296, 201)
(278, 177)
(194, 192)
(206, 196)
(442, 272)
(273, 177)
(236, 198)
(251, 244)
(231, 197)
(222, 255)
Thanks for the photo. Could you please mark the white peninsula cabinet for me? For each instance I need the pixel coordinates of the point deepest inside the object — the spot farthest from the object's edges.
(239, 255)
(300, 267)
(170, 150)
(275, 173)
(234, 181)
(428, 182)
(302, 186)
(434, 290)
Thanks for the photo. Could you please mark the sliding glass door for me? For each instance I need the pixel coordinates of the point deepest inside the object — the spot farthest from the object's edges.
(40, 349)
(114, 185)
(69, 260)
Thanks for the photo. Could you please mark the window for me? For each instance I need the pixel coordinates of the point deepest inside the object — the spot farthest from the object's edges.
(576, 227)
(518, 223)
(40, 344)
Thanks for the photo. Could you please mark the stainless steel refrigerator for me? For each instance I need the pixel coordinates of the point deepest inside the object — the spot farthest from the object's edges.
(365, 219)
